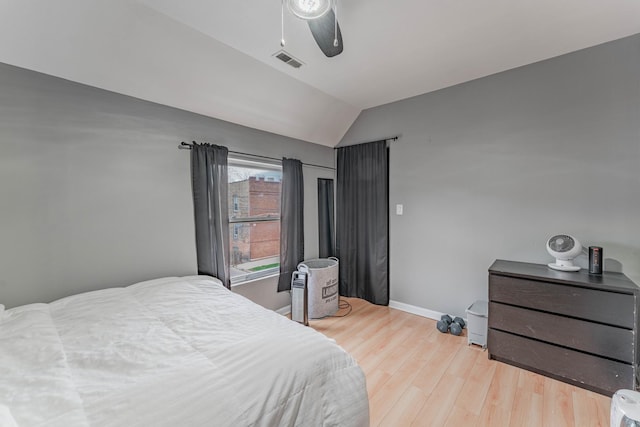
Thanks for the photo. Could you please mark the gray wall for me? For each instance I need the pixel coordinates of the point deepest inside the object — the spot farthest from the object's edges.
(94, 192)
(491, 168)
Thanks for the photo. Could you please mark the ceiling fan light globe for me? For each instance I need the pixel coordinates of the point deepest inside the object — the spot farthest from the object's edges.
(309, 9)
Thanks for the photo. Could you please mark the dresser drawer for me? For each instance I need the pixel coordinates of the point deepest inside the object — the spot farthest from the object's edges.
(603, 340)
(584, 370)
(599, 306)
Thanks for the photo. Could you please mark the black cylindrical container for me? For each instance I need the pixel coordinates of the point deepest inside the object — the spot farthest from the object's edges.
(595, 260)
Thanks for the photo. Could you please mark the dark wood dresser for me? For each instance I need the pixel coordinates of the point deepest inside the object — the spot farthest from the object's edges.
(575, 327)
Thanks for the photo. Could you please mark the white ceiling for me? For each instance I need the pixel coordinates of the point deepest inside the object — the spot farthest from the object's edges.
(214, 57)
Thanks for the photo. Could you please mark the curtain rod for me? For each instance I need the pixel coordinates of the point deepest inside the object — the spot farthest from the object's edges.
(391, 138)
(186, 146)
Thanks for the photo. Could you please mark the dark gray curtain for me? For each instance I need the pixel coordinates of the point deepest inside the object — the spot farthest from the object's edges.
(326, 230)
(362, 214)
(291, 221)
(210, 206)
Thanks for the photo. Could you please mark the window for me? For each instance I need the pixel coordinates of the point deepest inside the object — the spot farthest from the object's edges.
(254, 216)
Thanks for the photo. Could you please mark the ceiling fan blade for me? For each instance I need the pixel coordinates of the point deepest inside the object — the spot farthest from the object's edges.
(323, 31)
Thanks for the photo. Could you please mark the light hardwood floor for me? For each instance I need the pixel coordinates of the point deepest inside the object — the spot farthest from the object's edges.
(419, 376)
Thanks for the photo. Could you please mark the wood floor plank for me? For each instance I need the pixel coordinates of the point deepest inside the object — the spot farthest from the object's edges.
(588, 410)
(419, 376)
(463, 360)
(528, 401)
(432, 371)
(531, 382)
(476, 387)
(526, 410)
(375, 381)
(558, 404)
(461, 417)
(358, 319)
(494, 416)
(392, 391)
(441, 402)
(603, 403)
(406, 410)
(503, 385)
(391, 344)
(496, 410)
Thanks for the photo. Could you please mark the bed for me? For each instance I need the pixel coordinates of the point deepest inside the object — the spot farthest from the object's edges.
(171, 352)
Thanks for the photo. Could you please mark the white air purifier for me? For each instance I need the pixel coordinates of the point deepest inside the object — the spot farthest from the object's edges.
(564, 249)
(299, 298)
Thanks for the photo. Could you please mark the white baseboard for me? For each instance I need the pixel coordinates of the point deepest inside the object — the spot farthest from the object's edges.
(424, 312)
(284, 310)
(413, 309)
(419, 311)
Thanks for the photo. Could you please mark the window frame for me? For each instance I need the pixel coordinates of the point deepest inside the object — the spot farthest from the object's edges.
(241, 162)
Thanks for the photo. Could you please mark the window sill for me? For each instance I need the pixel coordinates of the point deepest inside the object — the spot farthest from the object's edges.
(257, 279)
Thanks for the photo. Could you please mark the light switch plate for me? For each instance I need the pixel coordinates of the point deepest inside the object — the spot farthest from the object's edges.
(399, 209)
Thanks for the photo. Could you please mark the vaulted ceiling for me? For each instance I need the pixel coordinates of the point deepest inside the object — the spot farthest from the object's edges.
(215, 57)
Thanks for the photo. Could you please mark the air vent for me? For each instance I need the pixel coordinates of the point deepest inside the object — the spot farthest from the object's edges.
(287, 58)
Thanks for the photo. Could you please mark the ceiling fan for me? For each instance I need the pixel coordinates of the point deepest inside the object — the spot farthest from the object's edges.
(322, 18)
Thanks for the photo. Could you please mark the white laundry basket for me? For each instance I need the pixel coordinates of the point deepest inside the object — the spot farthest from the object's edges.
(322, 286)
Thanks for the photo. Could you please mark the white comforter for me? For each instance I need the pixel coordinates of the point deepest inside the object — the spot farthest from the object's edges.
(171, 352)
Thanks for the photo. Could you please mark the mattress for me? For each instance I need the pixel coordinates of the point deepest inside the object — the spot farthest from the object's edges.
(171, 352)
